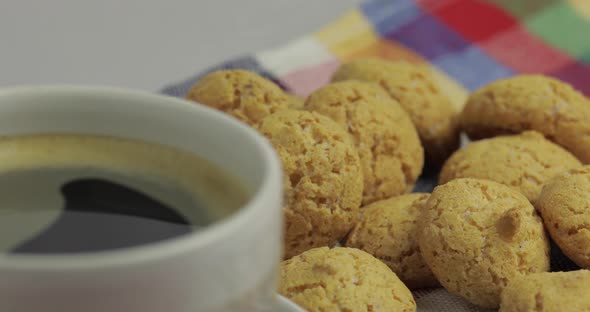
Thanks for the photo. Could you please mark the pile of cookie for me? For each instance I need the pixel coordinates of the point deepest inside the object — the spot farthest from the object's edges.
(352, 152)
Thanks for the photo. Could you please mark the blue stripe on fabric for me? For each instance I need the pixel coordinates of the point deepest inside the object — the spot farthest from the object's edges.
(389, 15)
(429, 37)
(247, 63)
(472, 67)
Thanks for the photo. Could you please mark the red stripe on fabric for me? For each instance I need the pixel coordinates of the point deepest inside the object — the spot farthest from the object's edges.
(431, 5)
(523, 52)
(474, 19)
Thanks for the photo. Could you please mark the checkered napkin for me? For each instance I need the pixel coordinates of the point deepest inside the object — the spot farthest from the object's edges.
(467, 43)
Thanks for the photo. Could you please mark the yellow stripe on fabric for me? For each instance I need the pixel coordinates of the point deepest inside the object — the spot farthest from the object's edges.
(582, 7)
(348, 34)
(456, 92)
(387, 50)
(352, 36)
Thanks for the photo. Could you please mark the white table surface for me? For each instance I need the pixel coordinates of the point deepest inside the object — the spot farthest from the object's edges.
(144, 44)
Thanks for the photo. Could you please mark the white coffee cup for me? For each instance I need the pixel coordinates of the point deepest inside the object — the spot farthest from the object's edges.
(228, 266)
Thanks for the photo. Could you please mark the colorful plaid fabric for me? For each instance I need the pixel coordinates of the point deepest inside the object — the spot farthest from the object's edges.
(468, 43)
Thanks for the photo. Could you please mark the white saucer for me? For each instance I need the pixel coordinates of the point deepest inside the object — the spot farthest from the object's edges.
(285, 305)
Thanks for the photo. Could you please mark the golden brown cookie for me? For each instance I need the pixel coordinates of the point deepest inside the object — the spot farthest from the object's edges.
(531, 102)
(243, 94)
(478, 235)
(413, 87)
(387, 142)
(323, 178)
(387, 229)
(548, 292)
(524, 162)
(343, 279)
(295, 102)
(564, 205)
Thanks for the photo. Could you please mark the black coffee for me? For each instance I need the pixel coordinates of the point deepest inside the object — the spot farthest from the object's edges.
(99, 214)
(71, 194)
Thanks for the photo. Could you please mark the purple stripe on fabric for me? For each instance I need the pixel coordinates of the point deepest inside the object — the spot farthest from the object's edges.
(429, 37)
(577, 74)
(247, 62)
(387, 15)
(472, 67)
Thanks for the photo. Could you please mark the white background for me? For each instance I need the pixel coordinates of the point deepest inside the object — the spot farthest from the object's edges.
(144, 44)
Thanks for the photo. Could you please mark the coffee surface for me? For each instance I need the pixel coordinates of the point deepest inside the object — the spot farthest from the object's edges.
(80, 193)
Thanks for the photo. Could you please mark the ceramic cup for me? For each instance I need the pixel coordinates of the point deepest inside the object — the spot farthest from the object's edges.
(228, 266)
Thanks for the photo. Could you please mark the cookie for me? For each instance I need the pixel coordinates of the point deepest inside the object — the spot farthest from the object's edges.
(524, 162)
(531, 102)
(387, 229)
(242, 94)
(323, 179)
(295, 102)
(478, 235)
(564, 205)
(388, 145)
(343, 279)
(413, 87)
(548, 292)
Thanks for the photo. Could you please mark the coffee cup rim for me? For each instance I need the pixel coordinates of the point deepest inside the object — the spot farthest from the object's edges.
(271, 181)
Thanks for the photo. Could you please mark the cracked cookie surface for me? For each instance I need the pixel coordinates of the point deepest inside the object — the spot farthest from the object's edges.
(564, 204)
(323, 181)
(431, 112)
(387, 229)
(548, 292)
(524, 162)
(478, 235)
(343, 279)
(531, 102)
(388, 145)
(242, 94)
